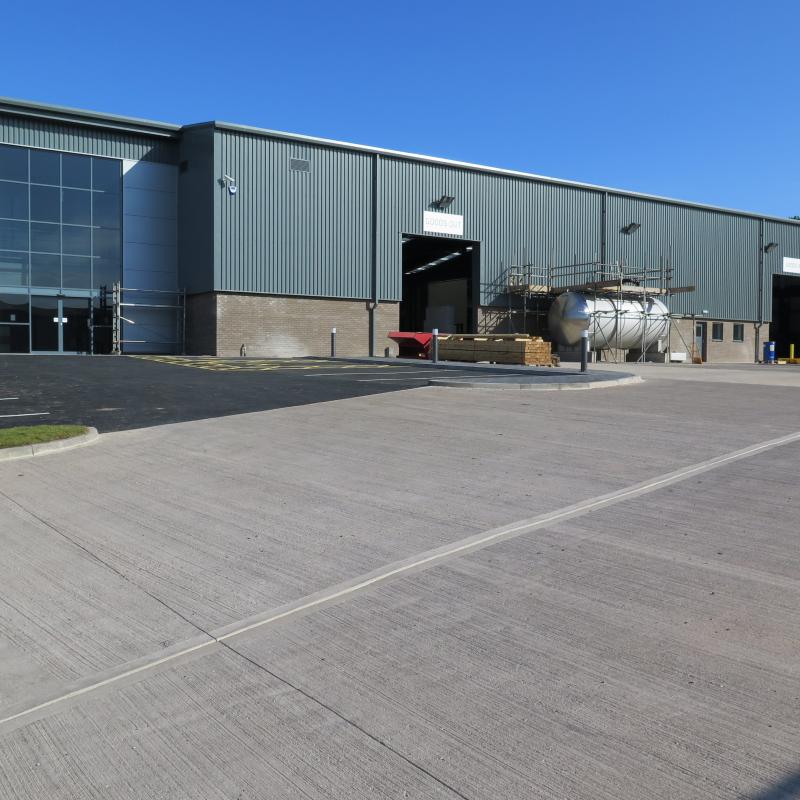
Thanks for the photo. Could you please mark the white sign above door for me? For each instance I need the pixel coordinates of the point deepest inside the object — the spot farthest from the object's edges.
(791, 265)
(437, 222)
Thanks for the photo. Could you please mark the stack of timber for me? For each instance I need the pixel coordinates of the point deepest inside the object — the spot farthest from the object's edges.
(532, 351)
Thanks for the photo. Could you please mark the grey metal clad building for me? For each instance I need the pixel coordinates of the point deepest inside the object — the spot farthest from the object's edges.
(224, 236)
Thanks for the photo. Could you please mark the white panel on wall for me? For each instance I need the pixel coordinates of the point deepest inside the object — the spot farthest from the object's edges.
(149, 251)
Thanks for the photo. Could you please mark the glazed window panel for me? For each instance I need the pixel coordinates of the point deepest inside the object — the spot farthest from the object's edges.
(60, 219)
(45, 203)
(13, 235)
(76, 207)
(45, 237)
(13, 268)
(77, 240)
(76, 171)
(13, 163)
(13, 200)
(45, 270)
(76, 272)
(46, 167)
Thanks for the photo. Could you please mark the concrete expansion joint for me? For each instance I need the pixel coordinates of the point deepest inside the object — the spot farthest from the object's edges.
(209, 641)
(44, 448)
(343, 717)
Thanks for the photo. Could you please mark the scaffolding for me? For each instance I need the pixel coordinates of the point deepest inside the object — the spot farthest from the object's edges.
(529, 290)
(524, 299)
(163, 302)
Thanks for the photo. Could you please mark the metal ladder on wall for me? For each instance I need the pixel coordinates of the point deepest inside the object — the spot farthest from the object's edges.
(174, 302)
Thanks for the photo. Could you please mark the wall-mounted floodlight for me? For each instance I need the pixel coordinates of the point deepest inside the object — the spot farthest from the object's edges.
(445, 201)
(768, 248)
(631, 228)
(230, 182)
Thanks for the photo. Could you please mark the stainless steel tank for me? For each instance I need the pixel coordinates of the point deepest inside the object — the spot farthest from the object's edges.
(611, 322)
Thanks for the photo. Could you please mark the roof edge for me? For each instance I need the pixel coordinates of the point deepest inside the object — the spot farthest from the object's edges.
(77, 116)
(446, 162)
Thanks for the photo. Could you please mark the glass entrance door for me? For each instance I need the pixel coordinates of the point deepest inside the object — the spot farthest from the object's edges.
(60, 324)
(76, 317)
(45, 328)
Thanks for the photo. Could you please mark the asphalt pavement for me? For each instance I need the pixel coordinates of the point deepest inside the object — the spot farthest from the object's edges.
(119, 393)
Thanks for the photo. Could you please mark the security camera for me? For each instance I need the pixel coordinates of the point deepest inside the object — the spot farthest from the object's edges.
(231, 183)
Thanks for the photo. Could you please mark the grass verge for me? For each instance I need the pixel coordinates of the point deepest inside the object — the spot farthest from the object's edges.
(36, 434)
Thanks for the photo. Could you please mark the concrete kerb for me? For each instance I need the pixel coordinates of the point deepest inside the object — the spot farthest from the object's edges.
(43, 448)
(544, 379)
(424, 363)
(532, 385)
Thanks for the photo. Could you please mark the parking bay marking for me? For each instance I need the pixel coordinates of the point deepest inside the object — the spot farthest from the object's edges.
(29, 414)
(411, 565)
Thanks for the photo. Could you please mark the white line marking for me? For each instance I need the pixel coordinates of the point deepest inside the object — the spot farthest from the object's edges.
(423, 560)
(428, 378)
(107, 681)
(339, 373)
(31, 414)
(9, 398)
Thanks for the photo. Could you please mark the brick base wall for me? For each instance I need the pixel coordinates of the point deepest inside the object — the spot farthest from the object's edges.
(725, 351)
(287, 327)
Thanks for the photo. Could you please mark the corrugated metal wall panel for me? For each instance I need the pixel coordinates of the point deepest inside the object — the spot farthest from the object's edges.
(787, 237)
(289, 232)
(716, 252)
(292, 232)
(92, 141)
(517, 221)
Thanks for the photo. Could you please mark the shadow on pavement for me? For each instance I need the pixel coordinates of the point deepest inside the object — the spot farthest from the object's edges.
(787, 789)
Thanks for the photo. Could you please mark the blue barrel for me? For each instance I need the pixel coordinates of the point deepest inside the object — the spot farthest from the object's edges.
(769, 352)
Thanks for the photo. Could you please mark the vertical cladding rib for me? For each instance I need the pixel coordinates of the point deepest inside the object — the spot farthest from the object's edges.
(77, 139)
(516, 220)
(714, 251)
(787, 237)
(290, 231)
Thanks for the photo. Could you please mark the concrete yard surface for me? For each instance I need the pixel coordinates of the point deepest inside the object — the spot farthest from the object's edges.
(429, 592)
(751, 374)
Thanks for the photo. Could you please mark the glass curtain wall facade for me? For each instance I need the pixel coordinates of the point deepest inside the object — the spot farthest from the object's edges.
(60, 244)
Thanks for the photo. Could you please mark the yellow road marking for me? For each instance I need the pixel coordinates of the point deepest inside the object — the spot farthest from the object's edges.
(257, 365)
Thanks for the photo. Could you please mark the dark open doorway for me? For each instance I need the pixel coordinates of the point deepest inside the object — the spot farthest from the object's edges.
(440, 284)
(785, 326)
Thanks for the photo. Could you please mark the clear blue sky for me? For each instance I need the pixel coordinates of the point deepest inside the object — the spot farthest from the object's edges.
(697, 100)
